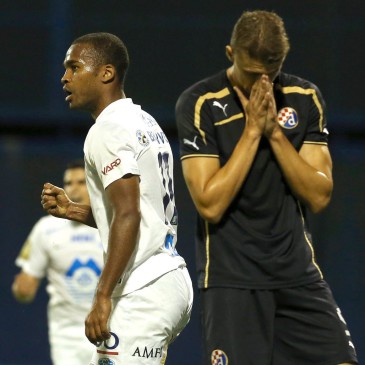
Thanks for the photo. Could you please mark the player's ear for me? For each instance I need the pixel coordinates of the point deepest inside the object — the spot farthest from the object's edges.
(108, 73)
(229, 53)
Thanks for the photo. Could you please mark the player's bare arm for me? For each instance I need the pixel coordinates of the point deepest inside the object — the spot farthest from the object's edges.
(123, 197)
(25, 287)
(56, 202)
(308, 173)
(214, 187)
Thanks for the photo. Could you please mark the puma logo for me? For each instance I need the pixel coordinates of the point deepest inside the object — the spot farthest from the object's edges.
(219, 105)
(191, 143)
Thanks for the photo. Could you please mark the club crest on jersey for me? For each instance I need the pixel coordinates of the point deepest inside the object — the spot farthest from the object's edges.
(219, 357)
(288, 118)
(142, 138)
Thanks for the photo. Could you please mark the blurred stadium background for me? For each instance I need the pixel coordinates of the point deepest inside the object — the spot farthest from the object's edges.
(171, 44)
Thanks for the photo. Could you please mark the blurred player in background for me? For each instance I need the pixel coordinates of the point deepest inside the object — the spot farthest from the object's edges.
(144, 296)
(70, 255)
(258, 139)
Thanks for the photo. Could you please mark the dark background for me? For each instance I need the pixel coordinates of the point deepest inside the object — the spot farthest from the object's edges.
(172, 44)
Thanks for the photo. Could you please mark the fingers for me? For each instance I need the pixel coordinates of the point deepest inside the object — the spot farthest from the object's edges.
(96, 329)
(51, 189)
(54, 200)
(264, 90)
(48, 198)
(96, 323)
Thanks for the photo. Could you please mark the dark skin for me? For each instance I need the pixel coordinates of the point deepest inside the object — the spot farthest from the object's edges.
(92, 88)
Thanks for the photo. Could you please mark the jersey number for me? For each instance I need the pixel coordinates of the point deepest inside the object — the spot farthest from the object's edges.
(167, 182)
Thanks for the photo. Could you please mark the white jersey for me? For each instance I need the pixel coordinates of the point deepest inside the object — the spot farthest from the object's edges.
(127, 140)
(70, 255)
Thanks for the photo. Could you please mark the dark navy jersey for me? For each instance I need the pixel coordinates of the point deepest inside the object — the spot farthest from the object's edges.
(262, 240)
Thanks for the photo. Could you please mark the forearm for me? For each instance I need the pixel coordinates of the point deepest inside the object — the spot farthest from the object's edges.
(81, 213)
(310, 185)
(215, 197)
(122, 242)
(217, 191)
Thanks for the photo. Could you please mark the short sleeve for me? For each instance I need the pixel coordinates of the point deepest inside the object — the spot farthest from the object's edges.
(24, 254)
(37, 261)
(195, 125)
(113, 153)
(317, 132)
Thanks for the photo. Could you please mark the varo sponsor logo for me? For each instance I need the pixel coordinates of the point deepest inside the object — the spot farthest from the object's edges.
(153, 352)
(110, 167)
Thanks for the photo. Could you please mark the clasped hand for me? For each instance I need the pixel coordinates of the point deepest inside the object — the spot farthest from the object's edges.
(260, 108)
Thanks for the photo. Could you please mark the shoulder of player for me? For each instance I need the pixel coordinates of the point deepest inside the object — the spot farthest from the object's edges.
(45, 227)
(211, 84)
(107, 127)
(286, 80)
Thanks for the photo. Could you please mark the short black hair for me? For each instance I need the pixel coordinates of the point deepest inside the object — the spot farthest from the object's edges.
(108, 49)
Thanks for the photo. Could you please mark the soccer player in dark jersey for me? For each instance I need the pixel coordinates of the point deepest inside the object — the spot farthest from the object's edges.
(254, 153)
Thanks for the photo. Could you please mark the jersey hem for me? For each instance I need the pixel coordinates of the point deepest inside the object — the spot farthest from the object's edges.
(315, 142)
(198, 155)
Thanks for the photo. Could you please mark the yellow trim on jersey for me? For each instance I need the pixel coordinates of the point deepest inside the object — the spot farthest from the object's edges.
(25, 251)
(199, 104)
(309, 242)
(207, 247)
(320, 143)
(233, 117)
(300, 90)
(201, 155)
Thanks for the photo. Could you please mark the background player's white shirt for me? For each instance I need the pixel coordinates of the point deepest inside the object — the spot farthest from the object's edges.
(127, 140)
(71, 256)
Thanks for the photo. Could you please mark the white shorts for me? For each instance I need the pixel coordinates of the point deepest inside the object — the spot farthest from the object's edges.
(74, 346)
(143, 323)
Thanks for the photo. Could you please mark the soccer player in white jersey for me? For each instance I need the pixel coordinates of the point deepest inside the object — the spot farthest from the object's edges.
(144, 296)
(70, 255)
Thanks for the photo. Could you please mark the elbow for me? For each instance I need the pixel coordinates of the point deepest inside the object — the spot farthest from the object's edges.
(320, 204)
(132, 217)
(211, 215)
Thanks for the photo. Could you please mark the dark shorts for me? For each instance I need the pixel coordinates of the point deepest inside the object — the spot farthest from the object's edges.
(291, 326)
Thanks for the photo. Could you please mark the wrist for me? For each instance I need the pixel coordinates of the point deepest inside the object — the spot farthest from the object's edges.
(252, 132)
(102, 292)
(70, 211)
(275, 134)
(77, 212)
